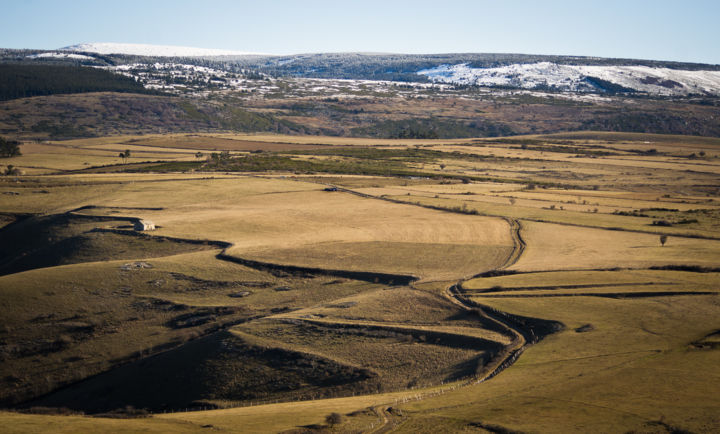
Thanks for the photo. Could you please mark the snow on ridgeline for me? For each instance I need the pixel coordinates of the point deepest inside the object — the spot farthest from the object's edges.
(152, 50)
(581, 78)
(56, 55)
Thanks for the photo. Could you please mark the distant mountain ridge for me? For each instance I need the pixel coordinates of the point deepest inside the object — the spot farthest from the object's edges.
(552, 73)
(151, 50)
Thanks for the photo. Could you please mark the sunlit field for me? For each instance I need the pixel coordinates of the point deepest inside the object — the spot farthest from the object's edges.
(557, 283)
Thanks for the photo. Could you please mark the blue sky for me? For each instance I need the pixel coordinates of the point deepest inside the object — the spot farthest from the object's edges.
(664, 30)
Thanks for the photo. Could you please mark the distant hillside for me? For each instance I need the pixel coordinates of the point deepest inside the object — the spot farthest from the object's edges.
(405, 67)
(351, 94)
(151, 50)
(22, 81)
(577, 74)
(661, 81)
(107, 113)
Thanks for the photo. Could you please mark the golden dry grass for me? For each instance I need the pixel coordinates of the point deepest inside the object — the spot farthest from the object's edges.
(607, 201)
(26, 423)
(284, 218)
(598, 381)
(220, 142)
(635, 365)
(541, 279)
(54, 157)
(397, 357)
(262, 215)
(430, 261)
(560, 247)
(537, 212)
(505, 194)
(401, 308)
(360, 141)
(284, 416)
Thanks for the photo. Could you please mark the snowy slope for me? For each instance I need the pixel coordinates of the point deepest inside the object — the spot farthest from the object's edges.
(56, 55)
(152, 50)
(581, 78)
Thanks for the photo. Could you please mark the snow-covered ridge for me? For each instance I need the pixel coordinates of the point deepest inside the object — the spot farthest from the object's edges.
(56, 55)
(152, 50)
(581, 78)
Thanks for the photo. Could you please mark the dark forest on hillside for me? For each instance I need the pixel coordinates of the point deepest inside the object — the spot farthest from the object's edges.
(22, 81)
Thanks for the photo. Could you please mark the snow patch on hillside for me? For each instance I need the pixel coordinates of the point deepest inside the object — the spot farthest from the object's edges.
(152, 50)
(580, 78)
(56, 55)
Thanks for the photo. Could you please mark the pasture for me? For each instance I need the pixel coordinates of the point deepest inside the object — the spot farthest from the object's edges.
(557, 283)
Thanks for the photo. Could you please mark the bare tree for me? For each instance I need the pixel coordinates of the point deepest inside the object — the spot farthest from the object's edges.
(124, 155)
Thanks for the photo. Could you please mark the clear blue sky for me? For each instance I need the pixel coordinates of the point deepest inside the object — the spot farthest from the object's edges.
(665, 30)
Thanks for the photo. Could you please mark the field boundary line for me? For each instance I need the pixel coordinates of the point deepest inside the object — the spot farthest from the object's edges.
(484, 214)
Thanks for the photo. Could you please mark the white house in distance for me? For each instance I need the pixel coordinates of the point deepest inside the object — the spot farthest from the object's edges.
(144, 225)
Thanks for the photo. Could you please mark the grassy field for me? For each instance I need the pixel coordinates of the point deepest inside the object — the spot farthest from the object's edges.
(259, 287)
(591, 248)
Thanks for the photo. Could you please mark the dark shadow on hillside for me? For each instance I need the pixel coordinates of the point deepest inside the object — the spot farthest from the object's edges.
(220, 366)
(61, 239)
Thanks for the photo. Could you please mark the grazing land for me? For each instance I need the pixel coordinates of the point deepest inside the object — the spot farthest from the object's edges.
(547, 283)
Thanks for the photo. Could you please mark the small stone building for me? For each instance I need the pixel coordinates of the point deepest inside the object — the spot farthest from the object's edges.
(144, 225)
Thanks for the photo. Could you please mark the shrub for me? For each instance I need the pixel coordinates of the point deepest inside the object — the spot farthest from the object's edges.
(661, 223)
(57, 411)
(129, 412)
(333, 419)
(11, 170)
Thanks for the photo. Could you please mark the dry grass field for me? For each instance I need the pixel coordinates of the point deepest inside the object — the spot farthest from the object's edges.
(590, 248)
(518, 284)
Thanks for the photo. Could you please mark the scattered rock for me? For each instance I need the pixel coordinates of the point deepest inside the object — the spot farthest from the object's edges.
(123, 292)
(135, 266)
(344, 305)
(585, 328)
(191, 320)
(395, 411)
(282, 288)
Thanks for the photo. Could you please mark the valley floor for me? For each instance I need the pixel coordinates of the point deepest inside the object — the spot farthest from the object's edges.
(536, 284)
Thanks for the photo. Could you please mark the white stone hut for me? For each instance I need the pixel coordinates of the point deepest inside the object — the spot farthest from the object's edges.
(144, 225)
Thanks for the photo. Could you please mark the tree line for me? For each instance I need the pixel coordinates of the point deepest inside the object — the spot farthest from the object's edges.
(22, 81)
